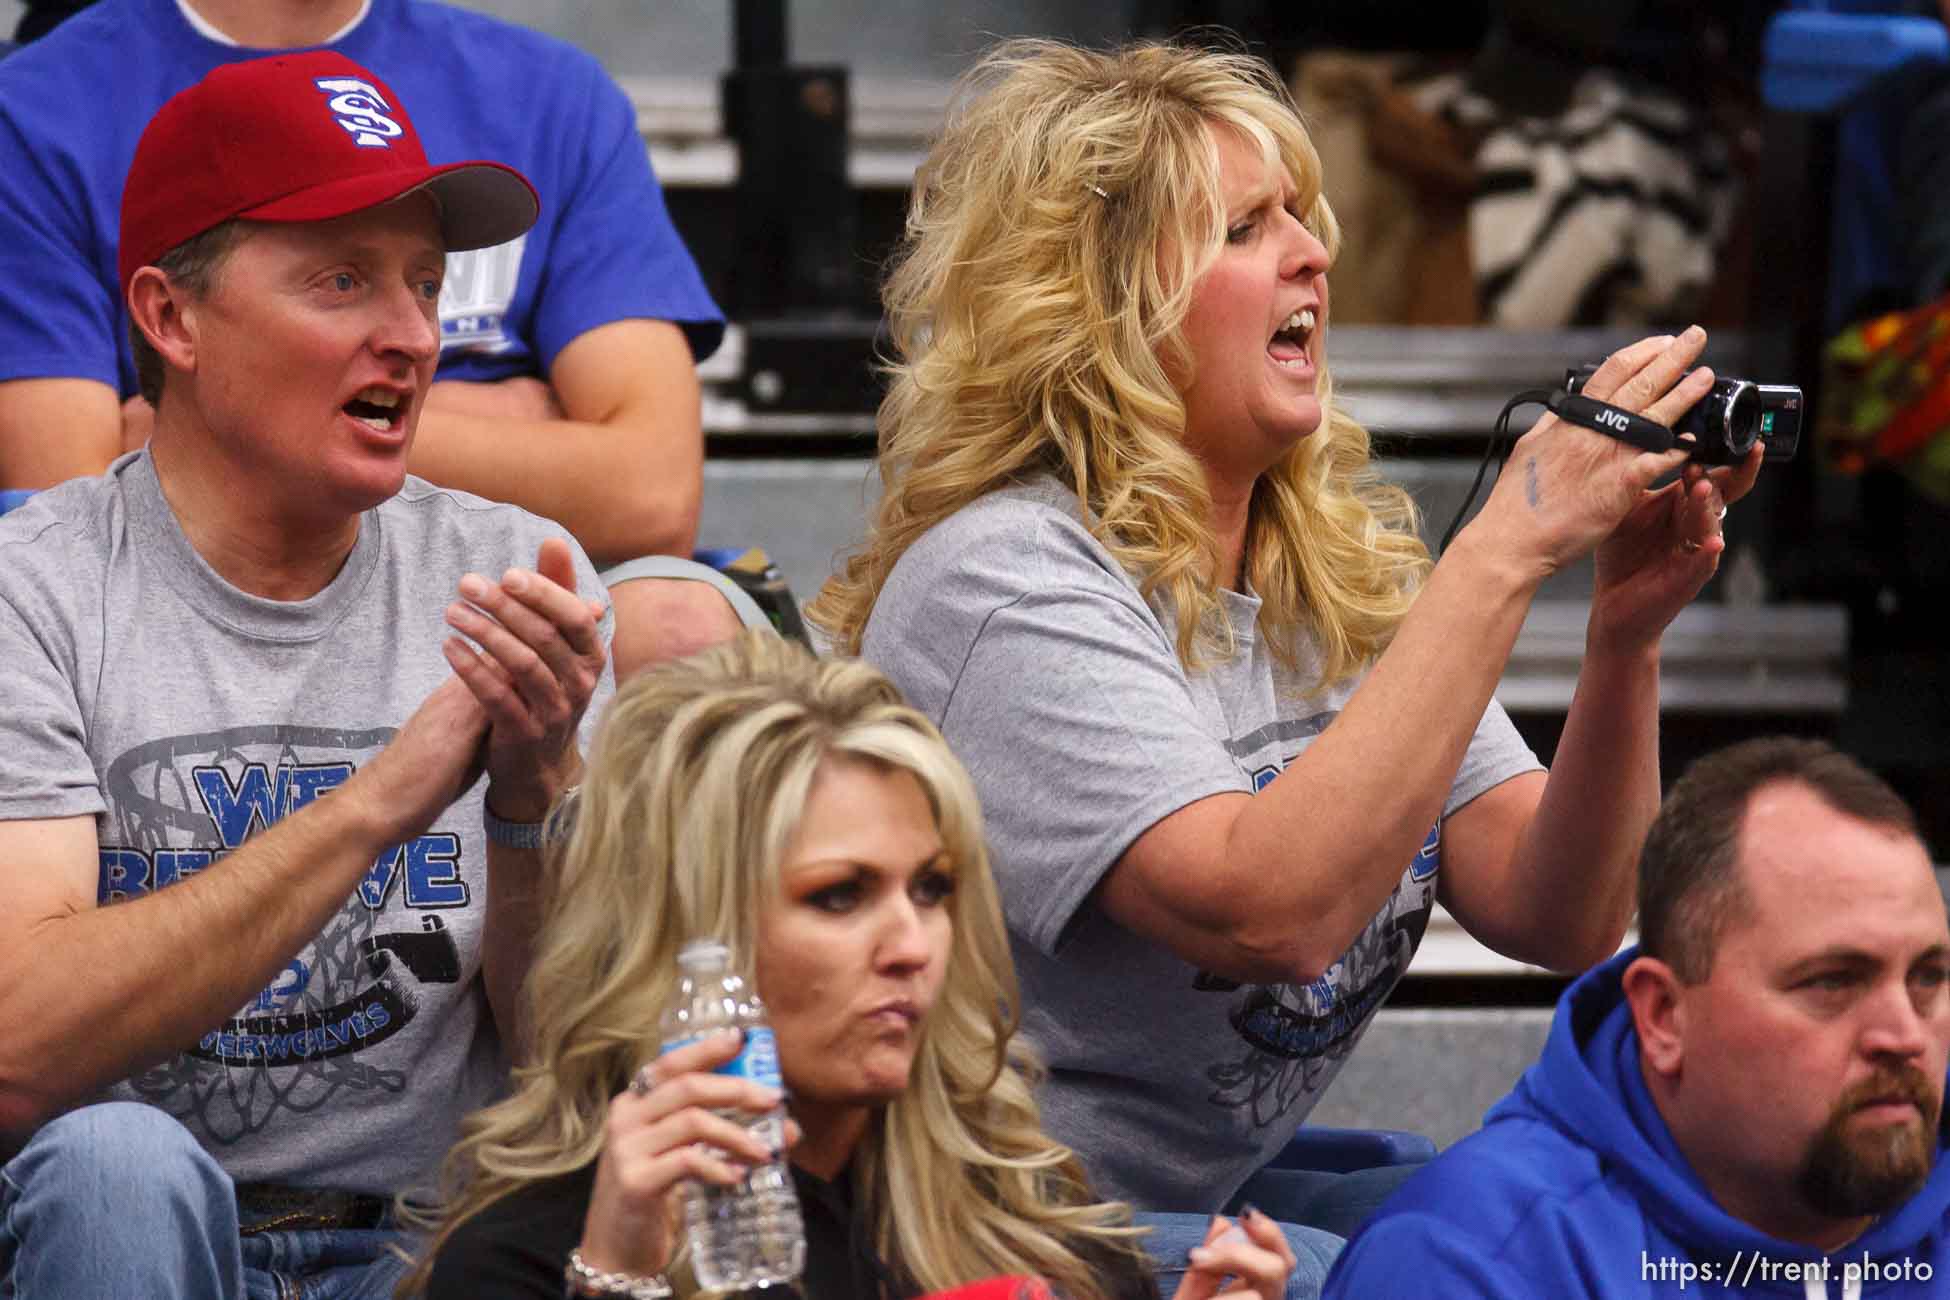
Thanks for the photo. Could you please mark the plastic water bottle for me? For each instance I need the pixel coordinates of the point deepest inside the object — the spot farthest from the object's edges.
(749, 1235)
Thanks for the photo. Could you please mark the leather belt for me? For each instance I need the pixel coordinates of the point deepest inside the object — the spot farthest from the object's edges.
(269, 1207)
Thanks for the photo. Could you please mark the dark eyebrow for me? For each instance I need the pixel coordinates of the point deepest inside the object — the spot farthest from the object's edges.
(1834, 955)
(939, 858)
(432, 256)
(1857, 959)
(429, 252)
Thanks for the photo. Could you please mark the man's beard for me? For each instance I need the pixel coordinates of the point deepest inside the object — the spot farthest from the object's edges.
(1849, 1172)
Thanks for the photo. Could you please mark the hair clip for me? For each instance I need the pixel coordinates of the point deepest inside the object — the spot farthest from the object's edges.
(1096, 189)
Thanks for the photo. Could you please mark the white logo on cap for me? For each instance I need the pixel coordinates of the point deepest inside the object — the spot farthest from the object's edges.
(361, 110)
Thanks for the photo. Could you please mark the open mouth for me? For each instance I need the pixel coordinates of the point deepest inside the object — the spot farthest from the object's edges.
(1290, 340)
(379, 409)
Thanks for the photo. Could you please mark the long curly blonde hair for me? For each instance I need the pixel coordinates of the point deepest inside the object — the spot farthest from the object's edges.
(697, 779)
(1053, 240)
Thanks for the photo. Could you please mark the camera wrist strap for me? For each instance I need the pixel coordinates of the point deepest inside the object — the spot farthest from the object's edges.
(1588, 412)
(1616, 421)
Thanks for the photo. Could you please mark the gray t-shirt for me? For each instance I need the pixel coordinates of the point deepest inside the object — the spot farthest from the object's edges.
(1061, 689)
(186, 715)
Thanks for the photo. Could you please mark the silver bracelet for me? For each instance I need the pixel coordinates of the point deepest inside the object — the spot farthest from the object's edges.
(582, 1282)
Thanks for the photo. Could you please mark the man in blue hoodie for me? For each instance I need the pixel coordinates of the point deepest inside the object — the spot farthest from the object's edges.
(1747, 1104)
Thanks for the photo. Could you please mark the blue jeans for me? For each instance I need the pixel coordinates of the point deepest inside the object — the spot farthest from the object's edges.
(118, 1200)
(1172, 1235)
(1338, 1203)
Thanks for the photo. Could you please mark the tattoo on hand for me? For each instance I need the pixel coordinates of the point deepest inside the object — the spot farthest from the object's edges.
(1531, 491)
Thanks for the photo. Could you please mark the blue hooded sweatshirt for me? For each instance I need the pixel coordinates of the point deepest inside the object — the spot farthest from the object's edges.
(1575, 1187)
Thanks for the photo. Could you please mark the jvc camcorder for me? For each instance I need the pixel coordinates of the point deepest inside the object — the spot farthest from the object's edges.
(1728, 421)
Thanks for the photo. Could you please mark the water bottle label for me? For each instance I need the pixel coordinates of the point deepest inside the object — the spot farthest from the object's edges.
(757, 1060)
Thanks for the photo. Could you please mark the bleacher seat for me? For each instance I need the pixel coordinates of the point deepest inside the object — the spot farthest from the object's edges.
(1344, 1150)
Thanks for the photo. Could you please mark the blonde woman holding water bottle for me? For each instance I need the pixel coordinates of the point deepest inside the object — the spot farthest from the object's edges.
(801, 813)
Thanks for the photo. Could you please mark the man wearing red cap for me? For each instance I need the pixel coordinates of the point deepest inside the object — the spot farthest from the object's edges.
(567, 382)
(241, 1015)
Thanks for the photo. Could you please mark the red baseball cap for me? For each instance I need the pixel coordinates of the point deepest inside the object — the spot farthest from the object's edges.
(299, 137)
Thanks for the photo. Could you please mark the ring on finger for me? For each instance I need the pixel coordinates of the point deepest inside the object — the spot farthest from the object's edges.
(641, 1083)
(1688, 545)
(1722, 514)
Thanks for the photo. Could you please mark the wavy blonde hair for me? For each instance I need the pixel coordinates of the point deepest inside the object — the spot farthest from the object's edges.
(1056, 230)
(697, 780)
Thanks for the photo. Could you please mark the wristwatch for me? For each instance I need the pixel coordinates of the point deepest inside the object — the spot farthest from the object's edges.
(511, 835)
(581, 1282)
(533, 835)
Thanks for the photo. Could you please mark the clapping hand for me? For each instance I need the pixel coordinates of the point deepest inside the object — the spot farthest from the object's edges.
(532, 657)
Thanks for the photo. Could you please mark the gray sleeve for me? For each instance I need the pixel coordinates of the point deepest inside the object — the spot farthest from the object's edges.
(1496, 753)
(45, 768)
(676, 568)
(1074, 718)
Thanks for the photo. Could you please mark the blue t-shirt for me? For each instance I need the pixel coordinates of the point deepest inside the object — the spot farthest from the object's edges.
(73, 105)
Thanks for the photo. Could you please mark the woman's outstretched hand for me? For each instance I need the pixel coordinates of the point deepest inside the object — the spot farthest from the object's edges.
(1565, 488)
(660, 1132)
(1247, 1260)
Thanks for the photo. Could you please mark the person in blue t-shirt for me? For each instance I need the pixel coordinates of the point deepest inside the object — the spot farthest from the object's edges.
(1750, 1103)
(567, 382)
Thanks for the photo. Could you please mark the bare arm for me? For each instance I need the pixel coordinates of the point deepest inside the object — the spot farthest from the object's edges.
(91, 994)
(622, 469)
(1552, 879)
(52, 430)
(508, 938)
(1276, 885)
(1546, 871)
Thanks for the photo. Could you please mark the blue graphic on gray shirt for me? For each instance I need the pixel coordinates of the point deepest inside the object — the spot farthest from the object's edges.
(358, 983)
